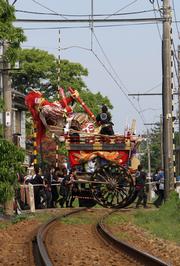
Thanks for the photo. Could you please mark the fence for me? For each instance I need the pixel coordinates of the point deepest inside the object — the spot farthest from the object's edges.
(27, 192)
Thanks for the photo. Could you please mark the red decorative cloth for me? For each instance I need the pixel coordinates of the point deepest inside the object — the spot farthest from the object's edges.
(36, 104)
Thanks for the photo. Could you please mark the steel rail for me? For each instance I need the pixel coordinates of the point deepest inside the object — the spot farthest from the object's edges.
(131, 251)
(39, 249)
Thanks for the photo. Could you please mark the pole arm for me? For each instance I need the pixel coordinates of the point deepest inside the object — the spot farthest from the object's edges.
(75, 95)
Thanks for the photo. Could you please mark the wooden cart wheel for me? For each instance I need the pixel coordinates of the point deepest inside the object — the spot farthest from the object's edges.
(112, 186)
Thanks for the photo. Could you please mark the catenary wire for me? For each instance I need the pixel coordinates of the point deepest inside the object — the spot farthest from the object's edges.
(81, 15)
(159, 32)
(156, 86)
(48, 9)
(14, 2)
(122, 8)
(87, 27)
(177, 28)
(110, 74)
(108, 60)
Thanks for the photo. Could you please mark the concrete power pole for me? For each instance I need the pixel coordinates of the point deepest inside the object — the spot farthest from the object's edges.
(149, 156)
(167, 101)
(179, 89)
(7, 95)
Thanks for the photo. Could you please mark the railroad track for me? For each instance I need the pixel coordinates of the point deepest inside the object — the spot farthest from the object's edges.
(41, 256)
(140, 258)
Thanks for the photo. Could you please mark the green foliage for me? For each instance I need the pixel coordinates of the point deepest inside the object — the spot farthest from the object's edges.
(177, 139)
(11, 159)
(164, 223)
(93, 101)
(6, 191)
(12, 35)
(6, 12)
(1, 105)
(83, 218)
(62, 149)
(71, 75)
(1, 110)
(114, 219)
(35, 65)
(38, 69)
(18, 218)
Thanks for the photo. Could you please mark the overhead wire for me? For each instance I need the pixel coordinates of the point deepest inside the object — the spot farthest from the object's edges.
(112, 68)
(83, 15)
(159, 32)
(86, 27)
(115, 81)
(55, 48)
(177, 28)
(156, 86)
(120, 87)
(47, 8)
(14, 2)
(121, 9)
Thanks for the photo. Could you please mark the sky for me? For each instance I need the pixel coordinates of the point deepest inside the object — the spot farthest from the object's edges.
(121, 59)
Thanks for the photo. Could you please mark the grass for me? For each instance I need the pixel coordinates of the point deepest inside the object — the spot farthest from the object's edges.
(80, 218)
(164, 223)
(4, 225)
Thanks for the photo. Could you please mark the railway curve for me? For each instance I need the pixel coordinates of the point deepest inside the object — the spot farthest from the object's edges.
(142, 257)
(128, 251)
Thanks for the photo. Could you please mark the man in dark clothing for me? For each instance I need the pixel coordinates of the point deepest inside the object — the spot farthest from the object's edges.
(160, 182)
(104, 120)
(64, 189)
(141, 186)
(37, 180)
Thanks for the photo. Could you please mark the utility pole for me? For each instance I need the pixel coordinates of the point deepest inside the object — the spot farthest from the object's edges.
(7, 95)
(167, 101)
(179, 89)
(149, 156)
(161, 141)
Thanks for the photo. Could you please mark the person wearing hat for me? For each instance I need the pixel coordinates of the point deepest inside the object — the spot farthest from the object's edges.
(104, 120)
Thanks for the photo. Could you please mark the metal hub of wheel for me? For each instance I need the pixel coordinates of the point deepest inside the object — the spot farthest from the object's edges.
(112, 186)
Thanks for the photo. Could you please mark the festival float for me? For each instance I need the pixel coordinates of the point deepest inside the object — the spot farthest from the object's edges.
(105, 164)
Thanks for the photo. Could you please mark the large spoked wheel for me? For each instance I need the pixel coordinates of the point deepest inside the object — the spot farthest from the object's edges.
(112, 186)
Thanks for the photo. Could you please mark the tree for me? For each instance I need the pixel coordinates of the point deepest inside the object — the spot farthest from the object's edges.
(13, 35)
(11, 159)
(35, 66)
(38, 69)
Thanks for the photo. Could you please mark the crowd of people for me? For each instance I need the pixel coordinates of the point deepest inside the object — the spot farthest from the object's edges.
(55, 187)
(58, 188)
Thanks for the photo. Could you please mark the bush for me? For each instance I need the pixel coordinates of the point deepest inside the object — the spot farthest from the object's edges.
(6, 192)
(11, 160)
